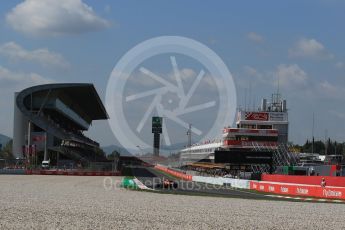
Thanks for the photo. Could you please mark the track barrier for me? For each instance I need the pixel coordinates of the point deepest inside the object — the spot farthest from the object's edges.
(235, 183)
(174, 173)
(71, 173)
(328, 192)
(12, 171)
(308, 180)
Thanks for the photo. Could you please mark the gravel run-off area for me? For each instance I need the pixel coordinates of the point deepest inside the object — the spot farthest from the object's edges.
(67, 202)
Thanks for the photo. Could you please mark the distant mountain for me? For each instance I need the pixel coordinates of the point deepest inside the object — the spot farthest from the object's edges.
(4, 139)
(167, 149)
(175, 147)
(109, 149)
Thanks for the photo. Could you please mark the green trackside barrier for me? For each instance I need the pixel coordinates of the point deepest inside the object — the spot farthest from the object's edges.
(128, 182)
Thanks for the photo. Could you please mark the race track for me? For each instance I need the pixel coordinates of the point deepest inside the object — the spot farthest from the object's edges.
(151, 177)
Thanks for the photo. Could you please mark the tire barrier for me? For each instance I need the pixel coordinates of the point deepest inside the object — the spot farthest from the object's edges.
(308, 180)
(71, 173)
(180, 175)
(327, 192)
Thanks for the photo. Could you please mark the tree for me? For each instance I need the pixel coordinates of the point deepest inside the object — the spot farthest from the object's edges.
(328, 148)
(100, 152)
(115, 154)
(319, 147)
(6, 152)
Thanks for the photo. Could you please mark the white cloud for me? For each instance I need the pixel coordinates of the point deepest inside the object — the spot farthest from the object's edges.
(309, 48)
(187, 76)
(288, 76)
(338, 114)
(328, 90)
(14, 81)
(340, 64)
(11, 82)
(257, 38)
(187, 73)
(51, 18)
(291, 76)
(44, 57)
(252, 72)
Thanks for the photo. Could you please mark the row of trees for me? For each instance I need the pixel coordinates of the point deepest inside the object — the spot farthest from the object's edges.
(320, 147)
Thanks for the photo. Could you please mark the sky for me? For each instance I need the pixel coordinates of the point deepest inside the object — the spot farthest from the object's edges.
(299, 44)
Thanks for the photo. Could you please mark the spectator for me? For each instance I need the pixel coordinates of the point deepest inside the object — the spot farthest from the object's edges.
(323, 182)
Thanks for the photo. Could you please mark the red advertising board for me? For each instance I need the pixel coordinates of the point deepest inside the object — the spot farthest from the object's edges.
(256, 116)
(308, 180)
(174, 173)
(327, 192)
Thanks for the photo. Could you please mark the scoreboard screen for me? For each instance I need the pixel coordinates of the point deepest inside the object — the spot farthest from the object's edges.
(157, 124)
(157, 121)
(243, 157)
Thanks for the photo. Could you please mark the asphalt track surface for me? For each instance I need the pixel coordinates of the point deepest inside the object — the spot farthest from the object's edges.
(152, 177)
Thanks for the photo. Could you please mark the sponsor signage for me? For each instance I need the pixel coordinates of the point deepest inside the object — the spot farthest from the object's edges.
(256, 116)
(271, 188)
(332, 193)
(302, 191)
(29, 150)
(276, 116)
(284, 189)
(38, 139)
(299, 190)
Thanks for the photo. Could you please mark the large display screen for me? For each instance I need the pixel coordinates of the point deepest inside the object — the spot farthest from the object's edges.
(243, 157)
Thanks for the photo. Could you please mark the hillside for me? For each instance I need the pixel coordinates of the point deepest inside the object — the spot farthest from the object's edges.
(4, 139)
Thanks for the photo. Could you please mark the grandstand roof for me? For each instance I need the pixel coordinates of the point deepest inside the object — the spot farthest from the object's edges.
(83, 94)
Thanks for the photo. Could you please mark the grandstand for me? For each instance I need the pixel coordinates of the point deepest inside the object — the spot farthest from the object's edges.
(50, 121)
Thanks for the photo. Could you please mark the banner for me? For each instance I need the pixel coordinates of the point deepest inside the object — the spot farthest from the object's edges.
(327, 192)
(252, 116)
(308, 180)
(174, 173)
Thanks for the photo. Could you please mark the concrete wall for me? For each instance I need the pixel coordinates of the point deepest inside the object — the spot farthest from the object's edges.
(20, 126)
(235, 183)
